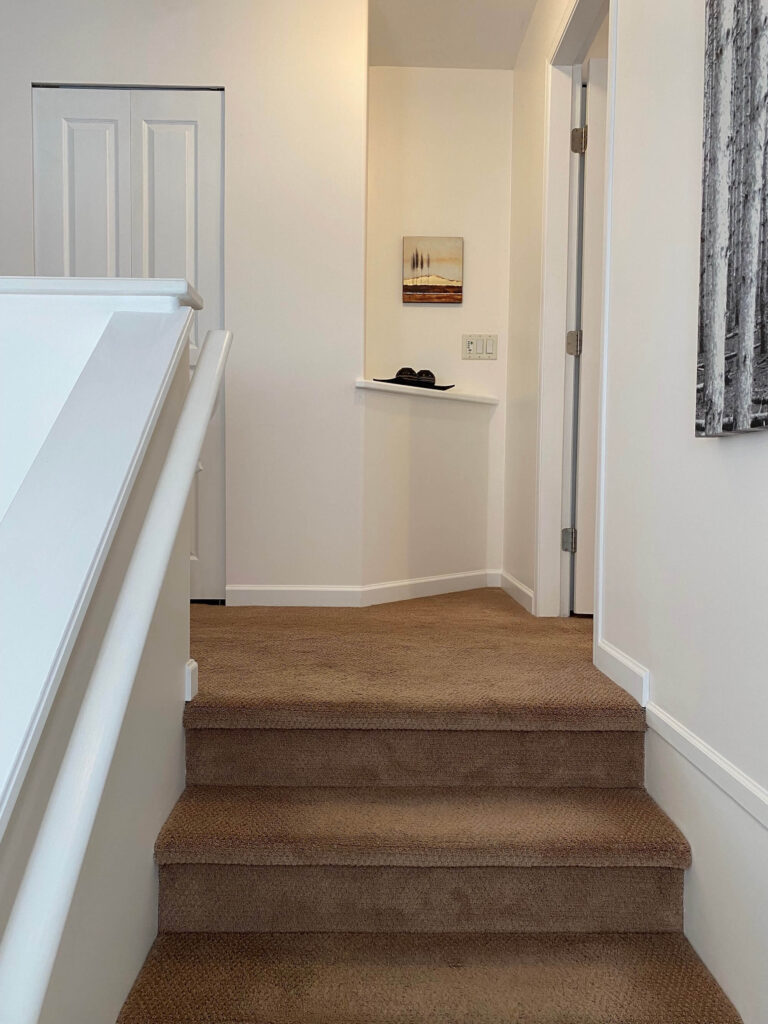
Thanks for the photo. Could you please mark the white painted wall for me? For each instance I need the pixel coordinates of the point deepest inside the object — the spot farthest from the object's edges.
(687, 595)
(684, 549)
(439, 161)
(685, 556)
(294, 73)
(113, 917)
(447, 33)
(426, 484)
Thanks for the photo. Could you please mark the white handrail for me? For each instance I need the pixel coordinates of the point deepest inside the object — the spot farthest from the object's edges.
(34, 929)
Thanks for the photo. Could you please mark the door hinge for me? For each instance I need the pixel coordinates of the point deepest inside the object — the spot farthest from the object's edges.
(569, 540)
(573, 340)
(579, 140)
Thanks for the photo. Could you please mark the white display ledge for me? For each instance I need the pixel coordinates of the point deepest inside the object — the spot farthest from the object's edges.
(446, 396)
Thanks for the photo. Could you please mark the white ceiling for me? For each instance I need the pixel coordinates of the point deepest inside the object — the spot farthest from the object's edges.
(447, 33)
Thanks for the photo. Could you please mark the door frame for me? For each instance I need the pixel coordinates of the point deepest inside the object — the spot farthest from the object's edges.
(552, 566)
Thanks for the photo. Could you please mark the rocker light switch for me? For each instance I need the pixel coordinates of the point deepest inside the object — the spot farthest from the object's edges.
(479, 346)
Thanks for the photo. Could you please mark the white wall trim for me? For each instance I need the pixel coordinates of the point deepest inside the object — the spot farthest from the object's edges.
(517, 591)
(553, 318)
(293, 597)
(359, 597)
(748, 793)
(635, 678)
(627, 673)
(602, 427)
(426, 586)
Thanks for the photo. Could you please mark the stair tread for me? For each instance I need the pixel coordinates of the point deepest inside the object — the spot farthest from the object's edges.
(216, 978)
(420, 827)
(474, 660)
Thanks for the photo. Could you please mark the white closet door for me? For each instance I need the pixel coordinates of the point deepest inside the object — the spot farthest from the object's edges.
(130, 183)
(82, 182)
(177, 190)
(591, 322)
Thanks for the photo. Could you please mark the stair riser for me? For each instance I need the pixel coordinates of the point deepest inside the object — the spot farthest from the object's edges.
(243, 898)
(352, 757)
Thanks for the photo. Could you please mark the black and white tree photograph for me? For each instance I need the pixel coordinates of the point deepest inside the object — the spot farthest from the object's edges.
(732, 375)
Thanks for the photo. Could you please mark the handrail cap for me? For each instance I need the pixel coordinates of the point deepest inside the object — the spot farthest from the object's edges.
(148, 287)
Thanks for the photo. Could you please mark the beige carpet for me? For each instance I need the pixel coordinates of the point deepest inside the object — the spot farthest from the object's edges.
(341, 898)
(414, 757)
(434, 979)
(427, 828)
(473, 660)
(429, 811)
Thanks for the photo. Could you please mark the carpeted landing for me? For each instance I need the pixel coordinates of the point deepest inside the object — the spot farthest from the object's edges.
(424, 811)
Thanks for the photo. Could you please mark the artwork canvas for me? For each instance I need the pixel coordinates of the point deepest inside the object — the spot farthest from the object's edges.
(433, 269)
(732, 371)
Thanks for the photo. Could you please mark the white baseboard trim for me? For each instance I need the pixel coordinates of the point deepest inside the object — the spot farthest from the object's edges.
(748, 793)
(359, 597)
(627, 673)
(293, 597)
(517, 591)
(426, 586)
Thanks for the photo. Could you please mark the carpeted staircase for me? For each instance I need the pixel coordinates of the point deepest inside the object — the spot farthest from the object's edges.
(429, 811)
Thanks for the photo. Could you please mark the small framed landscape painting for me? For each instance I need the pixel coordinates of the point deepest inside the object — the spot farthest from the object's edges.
(433, 269)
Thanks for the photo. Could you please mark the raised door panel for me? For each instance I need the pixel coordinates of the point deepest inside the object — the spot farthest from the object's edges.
(82, 197)
(168, 212)
(177, 169)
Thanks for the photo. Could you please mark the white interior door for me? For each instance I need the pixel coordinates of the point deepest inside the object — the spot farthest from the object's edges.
(129, 182)
(591, 325)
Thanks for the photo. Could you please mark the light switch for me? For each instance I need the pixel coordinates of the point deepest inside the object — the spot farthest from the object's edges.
(479, 346)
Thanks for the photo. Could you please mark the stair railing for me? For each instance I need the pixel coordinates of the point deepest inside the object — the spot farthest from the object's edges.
(36, 924)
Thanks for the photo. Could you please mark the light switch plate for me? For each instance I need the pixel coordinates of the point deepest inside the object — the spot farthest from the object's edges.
(479, 346)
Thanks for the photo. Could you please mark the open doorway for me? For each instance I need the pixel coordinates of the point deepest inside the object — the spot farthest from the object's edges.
(572, 316)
